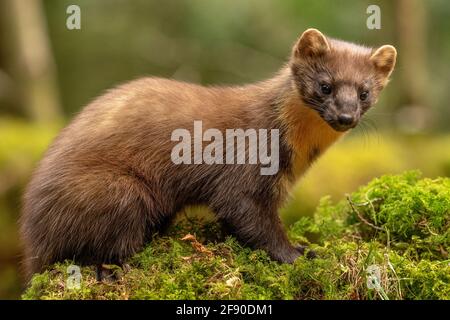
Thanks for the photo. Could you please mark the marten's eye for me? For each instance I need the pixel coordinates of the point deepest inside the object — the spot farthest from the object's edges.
(325, 88)
(364, 95)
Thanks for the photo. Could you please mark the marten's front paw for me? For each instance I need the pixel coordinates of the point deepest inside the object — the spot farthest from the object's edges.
(109, 273)
(310, 254)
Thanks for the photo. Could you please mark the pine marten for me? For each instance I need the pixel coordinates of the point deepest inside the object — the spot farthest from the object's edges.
(108, 183)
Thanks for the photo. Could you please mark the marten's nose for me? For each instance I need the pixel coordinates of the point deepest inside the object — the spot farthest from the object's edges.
(346, 119)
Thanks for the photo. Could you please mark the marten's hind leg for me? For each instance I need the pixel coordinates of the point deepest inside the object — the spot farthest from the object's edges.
(103, 220)
(126, 216)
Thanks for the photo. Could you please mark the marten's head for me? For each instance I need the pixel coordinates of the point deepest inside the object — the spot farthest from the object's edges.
(339, 80)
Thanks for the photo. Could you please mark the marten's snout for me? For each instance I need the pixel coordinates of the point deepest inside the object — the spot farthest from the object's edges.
(346, 120)
(346, 108)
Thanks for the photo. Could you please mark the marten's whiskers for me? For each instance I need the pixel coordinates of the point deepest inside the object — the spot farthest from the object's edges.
(370, 131)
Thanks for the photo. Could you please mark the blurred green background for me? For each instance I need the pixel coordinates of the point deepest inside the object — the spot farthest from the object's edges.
(48, 73)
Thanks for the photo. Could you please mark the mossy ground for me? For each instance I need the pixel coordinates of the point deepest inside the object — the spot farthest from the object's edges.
(395, 225)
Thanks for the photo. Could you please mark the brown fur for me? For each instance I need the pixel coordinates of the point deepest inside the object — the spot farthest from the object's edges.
(107, 183)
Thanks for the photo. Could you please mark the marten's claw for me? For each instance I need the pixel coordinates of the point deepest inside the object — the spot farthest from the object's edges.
(310, 254)
(106, 273)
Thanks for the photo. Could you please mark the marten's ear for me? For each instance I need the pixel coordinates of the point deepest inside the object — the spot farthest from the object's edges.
(312, 43)
(384, 59)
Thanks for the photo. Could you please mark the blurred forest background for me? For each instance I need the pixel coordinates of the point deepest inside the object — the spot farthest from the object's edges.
(48, 73)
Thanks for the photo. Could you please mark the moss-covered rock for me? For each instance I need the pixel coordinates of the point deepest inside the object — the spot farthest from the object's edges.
(388, 240)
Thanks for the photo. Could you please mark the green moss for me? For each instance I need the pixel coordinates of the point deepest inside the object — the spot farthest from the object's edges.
(395, 224)
(403, 212)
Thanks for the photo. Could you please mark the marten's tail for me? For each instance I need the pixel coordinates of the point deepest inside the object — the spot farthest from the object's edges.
(30, 264)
